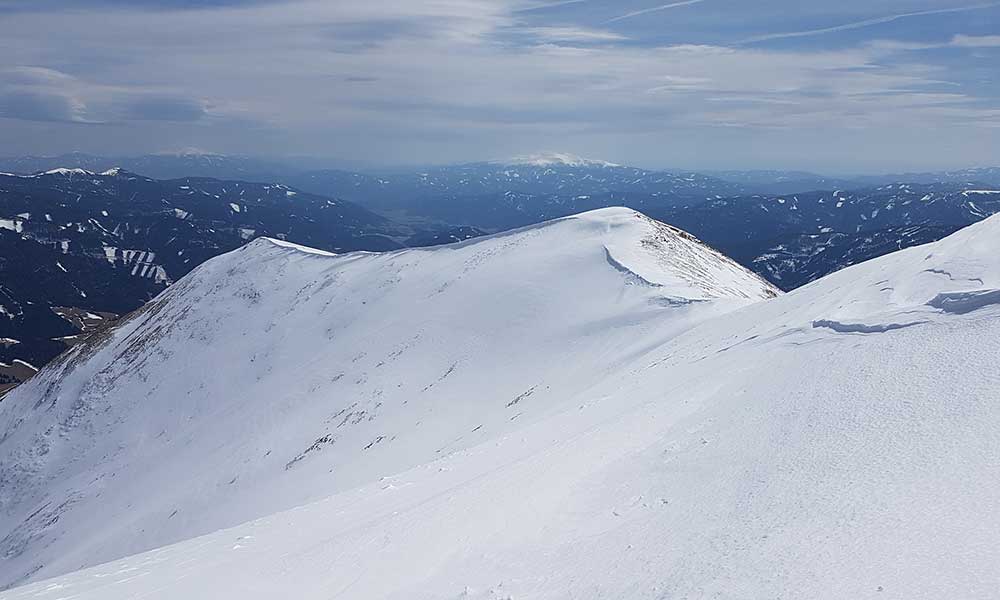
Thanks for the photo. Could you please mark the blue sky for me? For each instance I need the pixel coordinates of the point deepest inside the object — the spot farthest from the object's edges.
(846, 86)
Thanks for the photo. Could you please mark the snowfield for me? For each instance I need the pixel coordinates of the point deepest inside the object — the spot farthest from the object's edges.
(596, 407)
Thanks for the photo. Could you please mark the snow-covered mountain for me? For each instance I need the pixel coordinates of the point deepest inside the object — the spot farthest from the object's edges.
(107, 242)
(277, 375)
(158, 166)
(550, 159)
(595, 407)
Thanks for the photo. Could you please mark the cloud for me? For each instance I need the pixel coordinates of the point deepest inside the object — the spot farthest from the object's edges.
(976, 41)
(572, 34)
(397, 80)
(28, 75)
(653, 9)
(957, 41)
(164, 108)
(33, 93)
(31, 105)
(157, 5)
(865, 23)
(359, 36)
(548, 5)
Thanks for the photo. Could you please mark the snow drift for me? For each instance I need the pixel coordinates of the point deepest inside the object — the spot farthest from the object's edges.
(578, 419)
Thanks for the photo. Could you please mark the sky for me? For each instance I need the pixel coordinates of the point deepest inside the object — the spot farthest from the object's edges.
(852, 86)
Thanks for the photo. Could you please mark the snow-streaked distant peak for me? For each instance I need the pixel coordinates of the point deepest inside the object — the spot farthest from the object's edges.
(191, 151)
(550, 159)
(67, 172)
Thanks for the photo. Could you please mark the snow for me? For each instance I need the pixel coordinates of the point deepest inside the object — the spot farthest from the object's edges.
(561, 411)
(548, 159)
(18, 361)
(67, 172)
(298, 248)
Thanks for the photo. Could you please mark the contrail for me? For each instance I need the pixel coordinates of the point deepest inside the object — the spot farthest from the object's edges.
(865, 23)
(653, 9)
(555, 4)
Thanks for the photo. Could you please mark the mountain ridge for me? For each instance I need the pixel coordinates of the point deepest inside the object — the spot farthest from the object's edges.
(682, 457)
(322, 375)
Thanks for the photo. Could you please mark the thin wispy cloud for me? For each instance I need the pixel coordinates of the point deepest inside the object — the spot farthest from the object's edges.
(549, 5)
(957, 41)
(865, 23)
(653, 9)
(574, 34)
(976, 41)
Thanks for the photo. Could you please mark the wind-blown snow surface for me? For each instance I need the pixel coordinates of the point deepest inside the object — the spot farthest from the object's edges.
(277, 375)
(840, 441)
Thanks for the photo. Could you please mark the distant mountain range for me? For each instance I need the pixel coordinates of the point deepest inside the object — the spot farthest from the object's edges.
(498, 196)
(157, 166)
(310, 175)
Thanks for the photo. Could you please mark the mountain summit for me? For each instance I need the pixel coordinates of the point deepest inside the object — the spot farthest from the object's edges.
(549, 159)
(277, 375)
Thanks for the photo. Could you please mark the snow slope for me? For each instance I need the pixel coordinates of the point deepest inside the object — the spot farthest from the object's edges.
(277, 375)
(840, 441)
